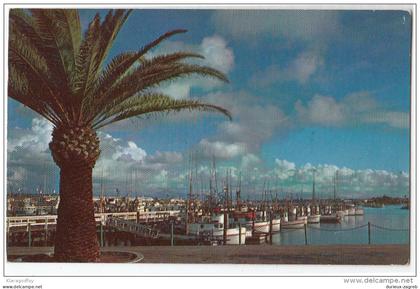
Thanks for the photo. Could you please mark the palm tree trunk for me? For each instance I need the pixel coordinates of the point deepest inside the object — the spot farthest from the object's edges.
(75, 151)
(76, 239)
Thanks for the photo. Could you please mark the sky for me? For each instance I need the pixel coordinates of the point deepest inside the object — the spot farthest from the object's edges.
(309, 90)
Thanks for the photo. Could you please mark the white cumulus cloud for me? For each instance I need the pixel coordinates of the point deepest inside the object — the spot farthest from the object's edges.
(221, 149)
(217, 54)
(131, 151)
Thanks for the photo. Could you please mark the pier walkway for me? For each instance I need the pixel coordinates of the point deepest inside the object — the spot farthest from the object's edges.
(46, 220)
(260, 254)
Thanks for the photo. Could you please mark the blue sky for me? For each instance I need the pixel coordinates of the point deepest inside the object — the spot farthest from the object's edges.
(324, 89)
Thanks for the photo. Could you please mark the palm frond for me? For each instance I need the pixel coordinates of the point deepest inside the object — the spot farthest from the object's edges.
(56, 42)
(147, 76)
(100, 101)
(60, 75)
(93, 52)
(124, 61)
(71, 22)
(154, 103)
(96, 45)
(119, 66)
(83, 70)
(24, 57)
(20, 89)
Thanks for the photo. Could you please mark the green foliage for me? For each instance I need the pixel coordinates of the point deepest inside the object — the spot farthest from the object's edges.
(61, 75)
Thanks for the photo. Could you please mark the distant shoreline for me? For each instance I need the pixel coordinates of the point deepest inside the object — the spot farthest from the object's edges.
(260, 254)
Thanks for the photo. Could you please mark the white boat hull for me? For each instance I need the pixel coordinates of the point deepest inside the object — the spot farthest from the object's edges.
(303, 218)
(352, 212)
(216, 232)
(262, 227)
(359, 212)
(314, 219)
(298, 224)
(341, 213)
(276, 225)
(232, 236)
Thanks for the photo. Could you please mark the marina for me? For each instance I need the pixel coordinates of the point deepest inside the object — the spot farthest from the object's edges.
(256, 222)
(248, 136)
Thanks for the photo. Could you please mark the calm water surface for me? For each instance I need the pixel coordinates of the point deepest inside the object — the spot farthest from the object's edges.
(389, 217)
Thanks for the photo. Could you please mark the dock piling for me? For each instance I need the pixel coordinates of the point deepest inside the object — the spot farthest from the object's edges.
(369, 233)
(46, 231)
(271, 229)
(29, 235)
(306, 237)
(225, 227)
(7, 232)
(102, 233)
(240, 234)
(172, 233)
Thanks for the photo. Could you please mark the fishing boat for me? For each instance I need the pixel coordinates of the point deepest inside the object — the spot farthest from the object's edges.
(214, 229)
(352, 212)
(330, 219)
(342, 213)
(297, 224)
(216, 233)
(292, 214)
(359, 212)
(276, 224)
(247, 220)
(303, 218)
(314, 219)
(261, 226)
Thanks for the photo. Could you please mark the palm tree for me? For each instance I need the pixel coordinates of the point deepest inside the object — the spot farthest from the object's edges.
(62, 76)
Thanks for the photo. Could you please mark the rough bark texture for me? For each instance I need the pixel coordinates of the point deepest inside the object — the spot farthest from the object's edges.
(75, 151)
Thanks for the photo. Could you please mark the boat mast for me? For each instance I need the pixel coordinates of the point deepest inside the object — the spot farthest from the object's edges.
(230, 190)
(45, 178)
(225, 211)
(238, 194)
(187, 219)
(102, 191)
(227, 197)
(313, 185)
(216, 190)
(131, 184)
(263, 196)
(335, 184)
(210, 200)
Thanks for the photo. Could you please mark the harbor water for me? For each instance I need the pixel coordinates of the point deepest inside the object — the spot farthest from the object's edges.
(389, 225)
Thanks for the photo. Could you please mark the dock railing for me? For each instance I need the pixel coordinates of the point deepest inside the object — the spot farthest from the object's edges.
(132, 227)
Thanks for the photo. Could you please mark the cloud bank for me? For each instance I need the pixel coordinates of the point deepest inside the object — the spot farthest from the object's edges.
(125, 166)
